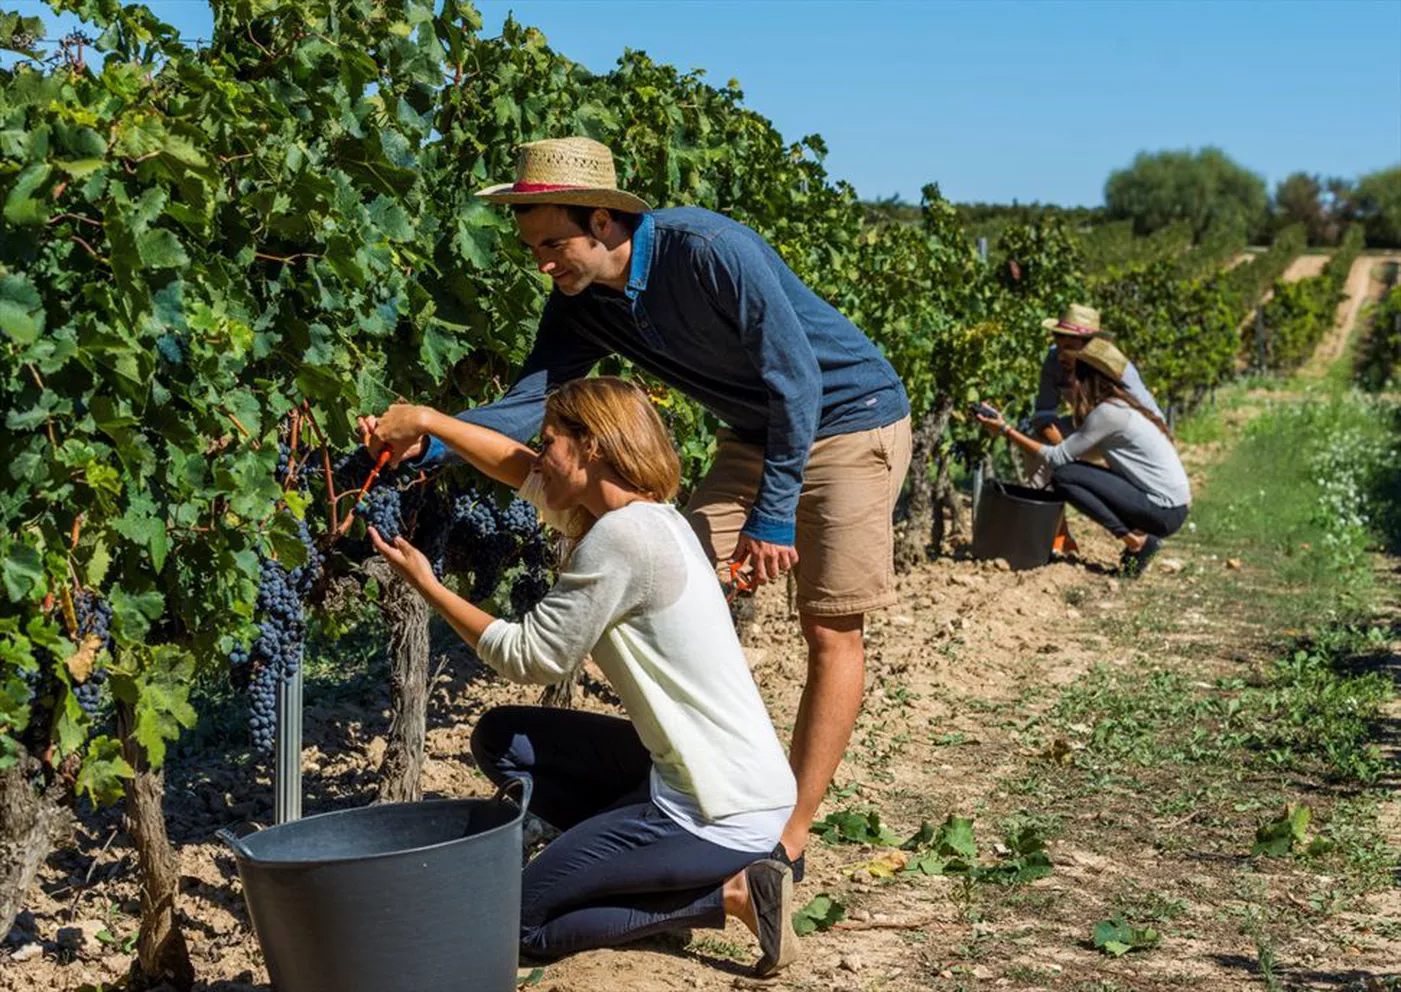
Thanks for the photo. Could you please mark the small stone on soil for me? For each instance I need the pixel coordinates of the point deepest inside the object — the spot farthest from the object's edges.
(852, 963)
(27, 953)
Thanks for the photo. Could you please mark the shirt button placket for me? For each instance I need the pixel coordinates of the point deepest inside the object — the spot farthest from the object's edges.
(644, 325)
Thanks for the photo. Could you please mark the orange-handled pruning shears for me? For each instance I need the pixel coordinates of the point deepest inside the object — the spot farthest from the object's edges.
(737, 582)
(374, 472)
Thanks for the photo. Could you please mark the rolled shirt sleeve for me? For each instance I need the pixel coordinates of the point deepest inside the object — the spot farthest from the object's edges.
(558, 355)
(747, 288)
(1048, 392)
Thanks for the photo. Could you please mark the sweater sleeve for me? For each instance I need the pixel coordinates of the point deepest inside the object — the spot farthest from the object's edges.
(1098, 427)
(558, 355)
(606, 577)
(747, 288)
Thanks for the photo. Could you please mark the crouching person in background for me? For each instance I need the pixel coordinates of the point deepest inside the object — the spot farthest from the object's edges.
(669, 816)
(1070, 332)
(1143, 495)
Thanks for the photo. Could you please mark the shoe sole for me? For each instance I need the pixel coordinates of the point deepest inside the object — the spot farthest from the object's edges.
(787, 937)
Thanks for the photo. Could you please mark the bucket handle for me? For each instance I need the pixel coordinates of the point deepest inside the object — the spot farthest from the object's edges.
(527, 786)
(236, 842)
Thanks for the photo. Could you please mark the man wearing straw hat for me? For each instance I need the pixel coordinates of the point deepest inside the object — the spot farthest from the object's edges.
(1070, 332)
(817, 437)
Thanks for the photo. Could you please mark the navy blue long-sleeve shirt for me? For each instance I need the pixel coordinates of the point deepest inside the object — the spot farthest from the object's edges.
(711, 309)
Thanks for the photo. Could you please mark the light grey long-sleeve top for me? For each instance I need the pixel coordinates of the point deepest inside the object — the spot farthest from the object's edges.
(1133, 446)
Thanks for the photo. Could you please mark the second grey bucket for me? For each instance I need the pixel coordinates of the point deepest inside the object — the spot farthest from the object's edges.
(1016, 523)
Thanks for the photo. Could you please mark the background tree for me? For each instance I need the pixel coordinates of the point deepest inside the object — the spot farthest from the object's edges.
(1378, 201)
(1299, 200)
(1202, 188)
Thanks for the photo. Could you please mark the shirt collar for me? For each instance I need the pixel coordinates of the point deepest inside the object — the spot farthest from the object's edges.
(641, 266)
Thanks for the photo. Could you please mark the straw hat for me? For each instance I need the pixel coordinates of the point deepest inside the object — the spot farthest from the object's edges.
(1077, 322)
(566, 171)
(1102, 356)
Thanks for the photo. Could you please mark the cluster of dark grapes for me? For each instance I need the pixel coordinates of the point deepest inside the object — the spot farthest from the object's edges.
(483, 541)
(478, 543)
(276, 653)
(284, 462)
(527, 591)
(520, 519)
(94, 616)
(352, 470)
(381, 509)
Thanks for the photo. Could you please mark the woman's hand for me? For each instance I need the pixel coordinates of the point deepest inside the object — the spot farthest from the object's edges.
(405, 559)
(400, 429)
(994, 424)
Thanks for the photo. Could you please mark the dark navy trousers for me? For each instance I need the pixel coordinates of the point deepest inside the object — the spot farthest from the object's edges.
(1114, 502)
(622, 870)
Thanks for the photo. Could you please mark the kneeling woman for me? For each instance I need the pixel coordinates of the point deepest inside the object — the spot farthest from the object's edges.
(1143, 496)
(668, 816)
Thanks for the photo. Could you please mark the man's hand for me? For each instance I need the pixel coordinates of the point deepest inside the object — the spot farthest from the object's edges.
(405, 559)
(767, 561)
(400, 429)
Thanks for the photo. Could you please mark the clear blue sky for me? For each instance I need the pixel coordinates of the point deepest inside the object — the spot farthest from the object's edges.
(1000, 100)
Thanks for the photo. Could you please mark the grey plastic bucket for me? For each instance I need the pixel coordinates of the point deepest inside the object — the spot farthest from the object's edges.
(1016, 523)
(399, 897)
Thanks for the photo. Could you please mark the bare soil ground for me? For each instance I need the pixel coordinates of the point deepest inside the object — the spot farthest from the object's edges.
(965, 713)
(958, 676)
(1305, 267)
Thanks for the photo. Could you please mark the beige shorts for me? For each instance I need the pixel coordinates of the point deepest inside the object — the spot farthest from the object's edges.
(845, 540)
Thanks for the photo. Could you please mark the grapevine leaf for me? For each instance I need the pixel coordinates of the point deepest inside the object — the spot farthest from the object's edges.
(70, 724)
(81, 168)
(103, 770)
(22, 570)
(162, 705)
(161, 249)
(821, 913)
(141, 526)
(80, 663)
(21, 206)
(955, 838)
(98, 563)
(132, 612)
(286, 542)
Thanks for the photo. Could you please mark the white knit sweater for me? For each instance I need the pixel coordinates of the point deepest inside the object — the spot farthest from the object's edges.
(639, 595)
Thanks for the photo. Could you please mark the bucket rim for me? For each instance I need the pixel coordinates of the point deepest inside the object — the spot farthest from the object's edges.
(1026, 494)
(243, 855)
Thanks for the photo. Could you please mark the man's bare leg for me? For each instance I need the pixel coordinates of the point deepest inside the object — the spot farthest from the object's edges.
(831, 702)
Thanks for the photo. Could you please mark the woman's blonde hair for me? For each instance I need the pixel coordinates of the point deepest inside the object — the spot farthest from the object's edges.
(618, 421)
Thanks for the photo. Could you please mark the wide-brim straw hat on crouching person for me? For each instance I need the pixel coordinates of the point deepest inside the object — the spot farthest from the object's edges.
(1077, 322)
(1102, 356)
(575, 172)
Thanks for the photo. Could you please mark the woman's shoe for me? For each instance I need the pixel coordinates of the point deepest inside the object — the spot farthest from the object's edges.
(1132, 564)
(771, 893)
